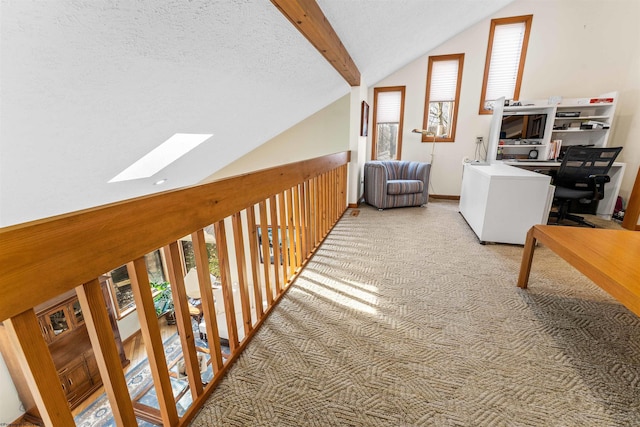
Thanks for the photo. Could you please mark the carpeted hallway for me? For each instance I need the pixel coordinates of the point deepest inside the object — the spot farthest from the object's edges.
(403, 319)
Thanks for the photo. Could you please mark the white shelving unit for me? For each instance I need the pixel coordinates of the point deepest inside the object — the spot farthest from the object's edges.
(566, 129)
(597, 112)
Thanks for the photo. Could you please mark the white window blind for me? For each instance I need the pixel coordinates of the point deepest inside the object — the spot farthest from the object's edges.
(388, 107)
(505, 59)
(444, 79)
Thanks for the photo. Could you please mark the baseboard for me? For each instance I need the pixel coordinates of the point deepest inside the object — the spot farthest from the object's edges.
(132, 337)
(27, 420)
(355, 205)
(444, 197)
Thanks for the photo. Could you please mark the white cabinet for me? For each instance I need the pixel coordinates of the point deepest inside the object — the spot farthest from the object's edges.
(501, 203)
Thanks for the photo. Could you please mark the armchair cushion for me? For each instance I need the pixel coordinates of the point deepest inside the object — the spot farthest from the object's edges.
(396, 183)
(401, 186)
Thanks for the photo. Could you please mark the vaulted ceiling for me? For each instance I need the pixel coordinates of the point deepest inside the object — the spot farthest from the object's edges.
(87, 87)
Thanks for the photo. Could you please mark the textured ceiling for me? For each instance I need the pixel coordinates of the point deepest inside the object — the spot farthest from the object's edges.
(384, 35)
(87, 87)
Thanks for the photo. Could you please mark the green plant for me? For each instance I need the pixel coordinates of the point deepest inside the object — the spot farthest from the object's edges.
(162, 299)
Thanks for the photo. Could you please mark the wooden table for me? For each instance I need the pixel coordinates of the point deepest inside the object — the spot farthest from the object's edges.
(611, 258)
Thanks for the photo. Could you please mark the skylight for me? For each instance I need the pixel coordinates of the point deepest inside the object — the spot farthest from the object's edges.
(162, 156)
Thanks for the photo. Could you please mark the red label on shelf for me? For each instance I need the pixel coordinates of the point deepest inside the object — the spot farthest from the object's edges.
(600, 100)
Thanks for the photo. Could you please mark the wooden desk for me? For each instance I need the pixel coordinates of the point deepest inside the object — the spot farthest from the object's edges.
(611, 258)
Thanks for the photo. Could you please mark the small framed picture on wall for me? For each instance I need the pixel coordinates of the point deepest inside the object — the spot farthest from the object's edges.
(364, 119)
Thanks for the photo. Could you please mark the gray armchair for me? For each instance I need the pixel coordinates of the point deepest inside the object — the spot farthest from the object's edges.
(396, 183)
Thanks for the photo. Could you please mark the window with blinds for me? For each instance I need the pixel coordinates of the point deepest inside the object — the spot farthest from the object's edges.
(506, 52)
(444, 77)
(388, 112)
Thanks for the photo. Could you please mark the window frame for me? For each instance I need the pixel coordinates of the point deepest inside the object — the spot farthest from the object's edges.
(374, 133)
(124, 312)
(527, 20)
(456, 102)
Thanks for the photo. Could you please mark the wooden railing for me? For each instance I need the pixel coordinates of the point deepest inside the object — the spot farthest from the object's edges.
(632, 214)
(43, 259)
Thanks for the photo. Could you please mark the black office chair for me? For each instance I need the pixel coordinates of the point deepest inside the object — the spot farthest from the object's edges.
(582, 175)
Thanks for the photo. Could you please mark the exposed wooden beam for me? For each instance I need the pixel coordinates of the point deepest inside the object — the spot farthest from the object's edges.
(309, 19)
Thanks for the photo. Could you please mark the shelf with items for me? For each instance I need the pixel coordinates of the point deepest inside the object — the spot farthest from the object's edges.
(520, 151)
(585, 121)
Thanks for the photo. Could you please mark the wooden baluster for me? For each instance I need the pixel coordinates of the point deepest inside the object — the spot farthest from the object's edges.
(325, 204)
(183, 318)
(275, 236)
(296, 225)
(255, 259)
(266, 256)
(307, 209)
(206, 297)
(318, 212)
(106, 353)
(241, 263)
(39, 371)
(312, 215)
(304, 246)
(150, 329)
(332, 197)
(285, 239)
(293, 259)
(227, 287)
(338, 187)
(343, 186)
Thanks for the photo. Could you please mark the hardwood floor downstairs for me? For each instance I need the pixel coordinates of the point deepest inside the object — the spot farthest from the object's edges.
(135, 352)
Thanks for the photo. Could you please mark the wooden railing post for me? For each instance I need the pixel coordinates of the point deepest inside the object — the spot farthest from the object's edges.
(150, 329)
(293, 260)
(255, 259)
(631, 215)
(38, 368)
(183, 318)
(106, 353)
(296, 225)
(303, 220)
(275, 243)
(264, 235)
(241, 263)
(286, 239)
(227, 286)
(206, 295)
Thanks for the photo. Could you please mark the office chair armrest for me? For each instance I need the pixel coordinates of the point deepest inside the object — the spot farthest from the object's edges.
(597, 182)
(600, 179)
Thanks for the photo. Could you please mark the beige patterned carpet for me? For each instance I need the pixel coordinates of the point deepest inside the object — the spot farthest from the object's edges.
(403, 319)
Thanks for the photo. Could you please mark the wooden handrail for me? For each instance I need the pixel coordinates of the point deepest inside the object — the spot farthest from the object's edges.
(40, 260)
(48, 257)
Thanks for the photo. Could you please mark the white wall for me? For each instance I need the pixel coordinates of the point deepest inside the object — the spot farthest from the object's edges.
(10, 406)
(322, 133)
(90, 86)
(573, 52)
(357, 144)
